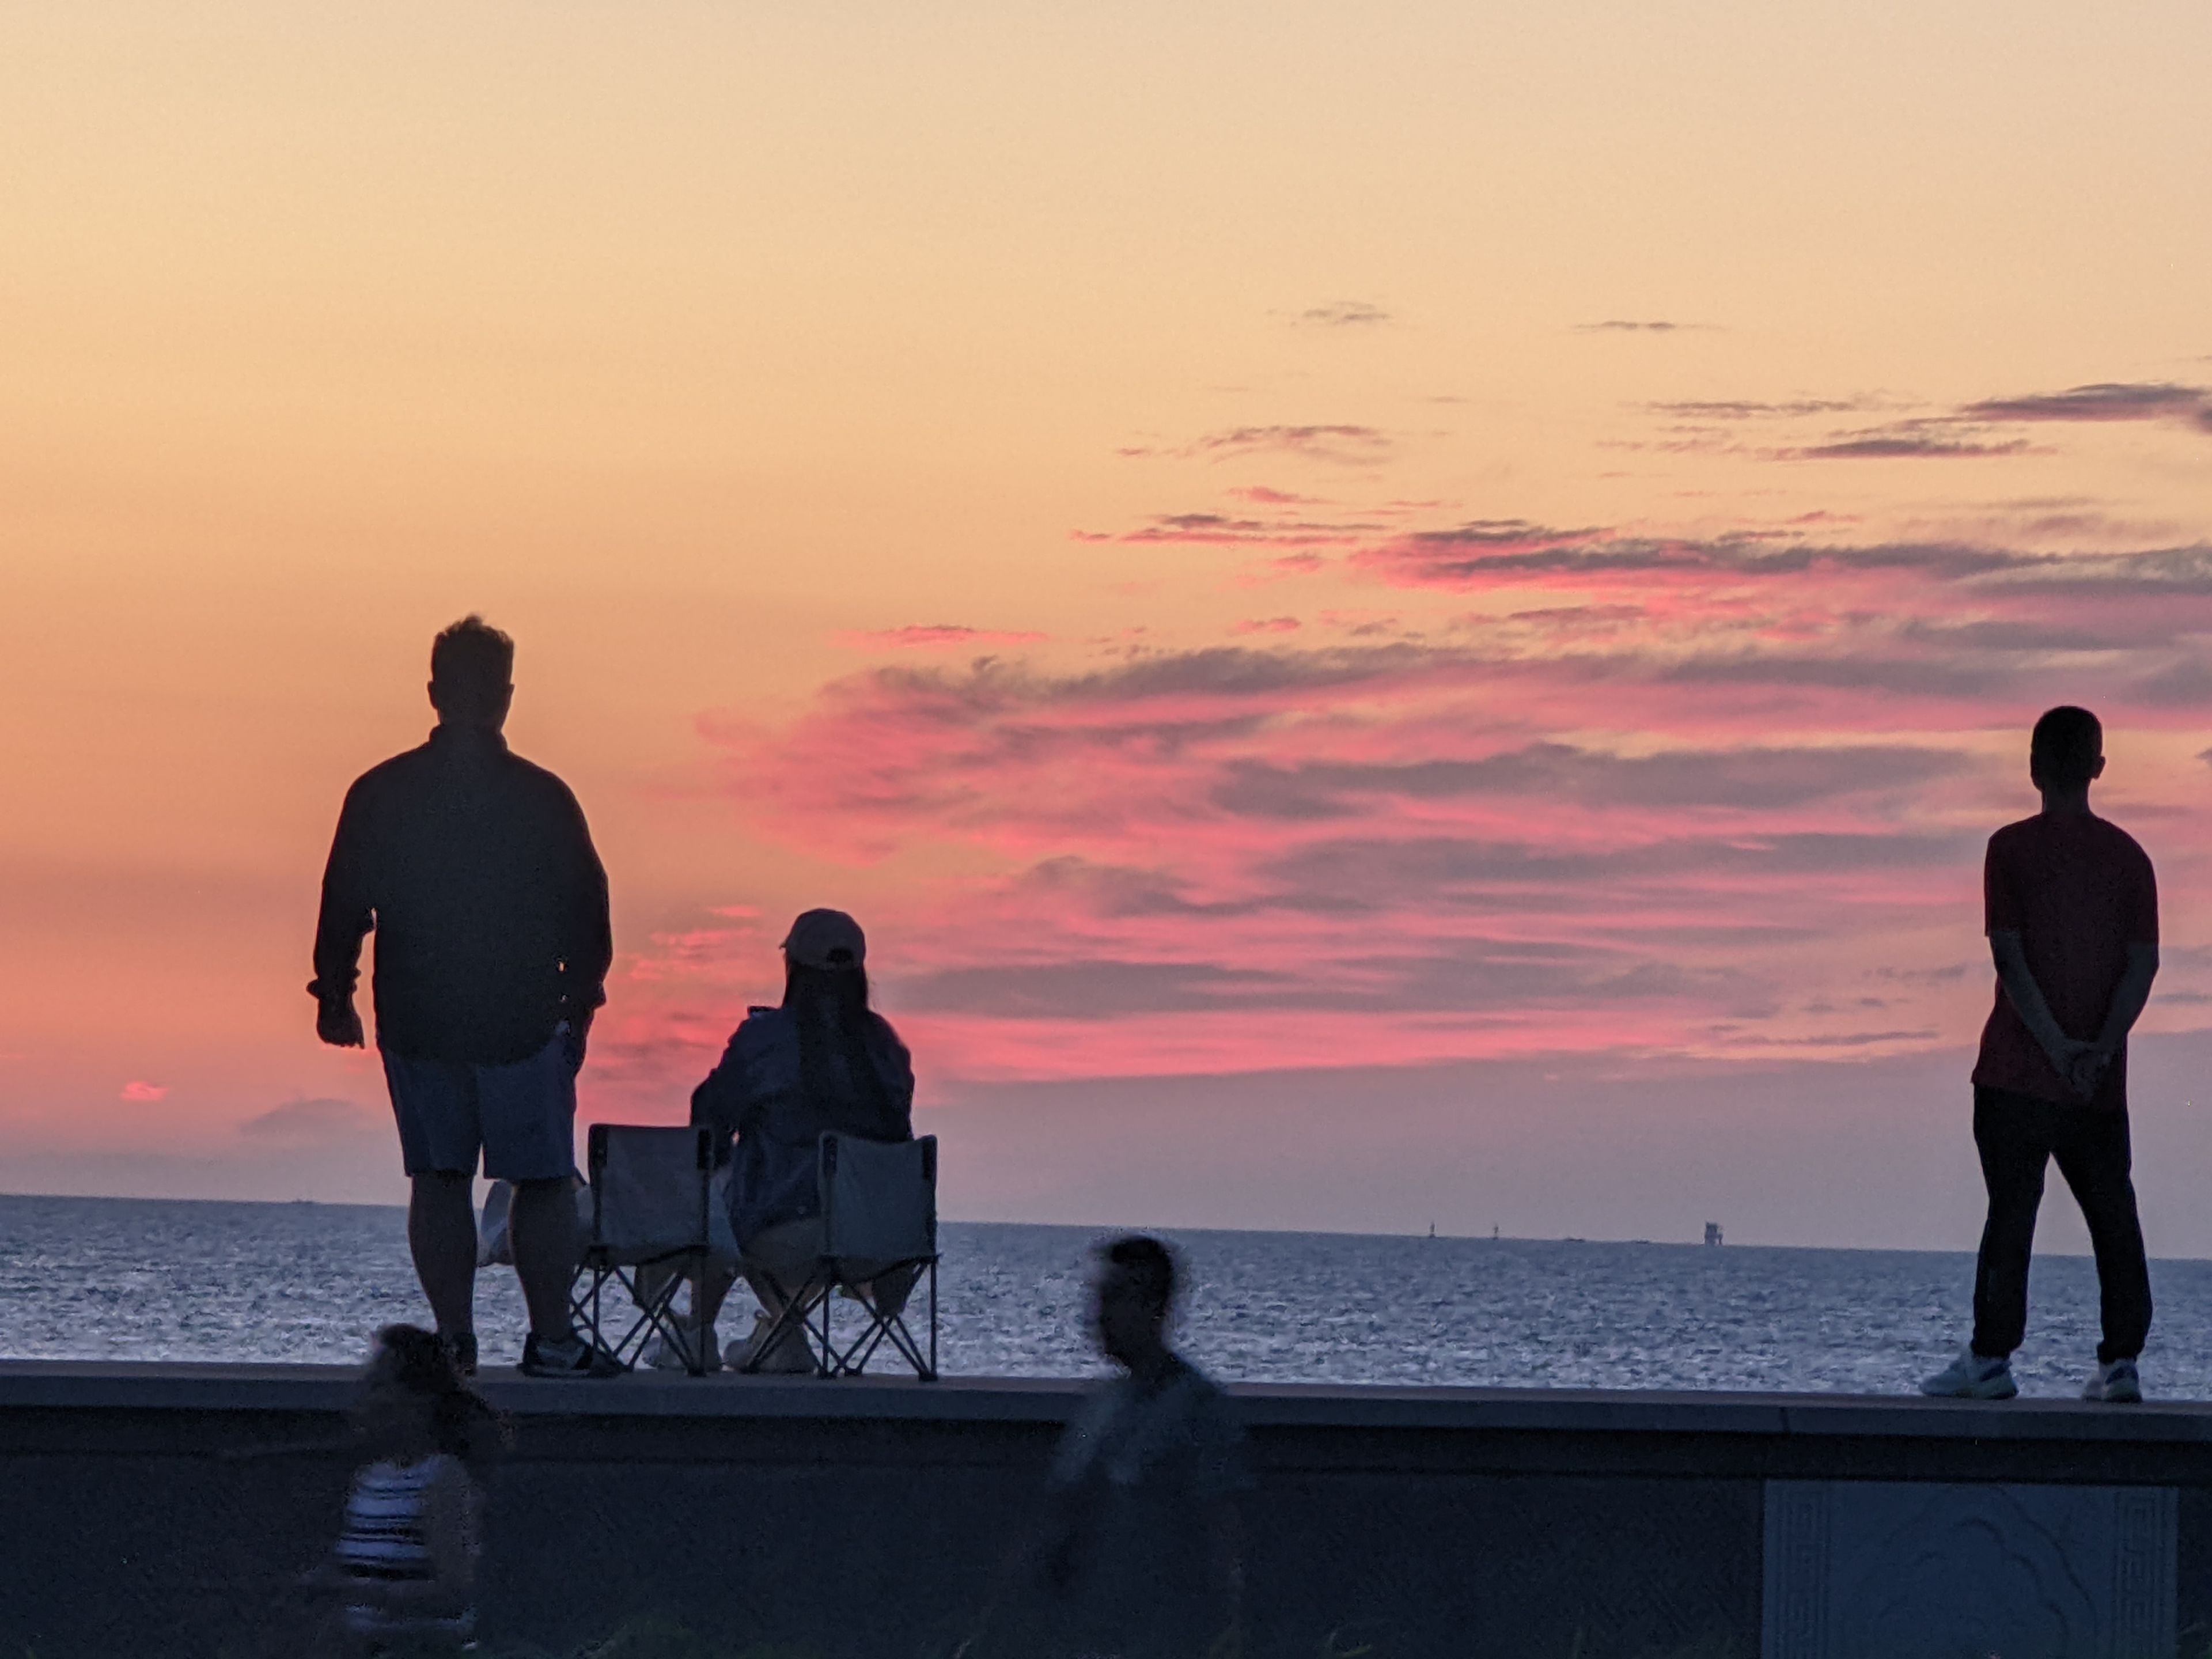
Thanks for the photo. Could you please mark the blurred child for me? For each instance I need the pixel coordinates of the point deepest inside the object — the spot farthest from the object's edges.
(405, 1564)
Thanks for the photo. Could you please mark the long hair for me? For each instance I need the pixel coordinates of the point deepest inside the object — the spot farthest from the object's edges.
(463, 1422)
(829, 1006)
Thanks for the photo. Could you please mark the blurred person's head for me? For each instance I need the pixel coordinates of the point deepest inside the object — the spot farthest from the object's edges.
(414, 1399)
(472, 675)
(2067, 752)
(1134, 1295)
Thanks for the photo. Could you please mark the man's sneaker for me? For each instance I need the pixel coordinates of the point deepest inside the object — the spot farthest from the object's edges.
(573, 1357)
(462, 1347)
(2116, 1384)
(1971, 1376)
(665, 1356)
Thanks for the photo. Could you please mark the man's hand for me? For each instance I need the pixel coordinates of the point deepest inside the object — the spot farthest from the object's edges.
(2086, 1070)
(2078, 1062)
(338, 1024)
(2069, 1055)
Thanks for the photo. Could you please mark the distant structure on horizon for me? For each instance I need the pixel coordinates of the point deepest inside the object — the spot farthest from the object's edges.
(1713, 1233)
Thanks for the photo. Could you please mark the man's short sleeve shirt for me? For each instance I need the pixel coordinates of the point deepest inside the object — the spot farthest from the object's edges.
(2078, 890)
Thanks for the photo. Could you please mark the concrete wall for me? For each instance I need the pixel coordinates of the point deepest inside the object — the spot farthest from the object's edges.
(156, 1510)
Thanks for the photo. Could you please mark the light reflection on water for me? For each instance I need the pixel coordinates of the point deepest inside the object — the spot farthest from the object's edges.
(114, 1279)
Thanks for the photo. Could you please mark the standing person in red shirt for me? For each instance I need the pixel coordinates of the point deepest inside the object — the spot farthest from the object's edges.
(2073, 924)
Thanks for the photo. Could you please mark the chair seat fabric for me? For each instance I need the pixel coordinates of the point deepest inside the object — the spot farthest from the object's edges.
(878, 1199)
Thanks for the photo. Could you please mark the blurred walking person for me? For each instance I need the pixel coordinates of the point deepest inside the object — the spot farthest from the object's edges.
(2072, 919)
(405, 1566)
(1141, 1553)
(476, 874)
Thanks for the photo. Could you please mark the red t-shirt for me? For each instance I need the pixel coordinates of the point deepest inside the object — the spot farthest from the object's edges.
(2078, 891)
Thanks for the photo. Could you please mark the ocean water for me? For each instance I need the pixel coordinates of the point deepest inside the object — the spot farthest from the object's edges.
(111, 1279)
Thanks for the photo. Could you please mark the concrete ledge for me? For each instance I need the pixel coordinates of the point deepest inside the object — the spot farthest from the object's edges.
(140, 1387)
(152, 1502)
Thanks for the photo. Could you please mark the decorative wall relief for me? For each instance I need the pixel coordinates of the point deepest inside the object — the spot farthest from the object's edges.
(1879, 1569)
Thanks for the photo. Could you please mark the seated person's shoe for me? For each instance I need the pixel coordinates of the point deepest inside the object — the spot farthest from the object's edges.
(2116, 1384)
(574, 1358)
(665, 1356)
(792, 1356)
(1971, 1376)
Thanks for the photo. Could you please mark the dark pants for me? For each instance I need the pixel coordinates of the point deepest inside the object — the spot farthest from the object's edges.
(2017, 1136)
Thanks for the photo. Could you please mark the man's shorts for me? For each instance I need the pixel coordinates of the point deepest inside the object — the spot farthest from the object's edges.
(522, 1118)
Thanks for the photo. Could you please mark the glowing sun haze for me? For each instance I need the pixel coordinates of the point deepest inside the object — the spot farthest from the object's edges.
(1390, 615)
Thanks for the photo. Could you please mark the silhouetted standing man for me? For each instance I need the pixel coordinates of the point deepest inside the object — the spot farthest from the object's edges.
(477, 873)
(2072, 911)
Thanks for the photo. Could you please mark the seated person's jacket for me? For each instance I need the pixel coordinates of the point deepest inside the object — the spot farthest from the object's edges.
(756, 1094)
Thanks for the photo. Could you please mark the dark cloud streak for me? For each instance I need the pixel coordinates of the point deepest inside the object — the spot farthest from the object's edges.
(1904, 445)
(1747, 779)
(1344, 313)
(2105, 400)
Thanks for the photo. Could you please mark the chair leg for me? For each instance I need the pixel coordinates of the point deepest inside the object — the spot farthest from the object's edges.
(795, 1319)
(657, 1314)
(584, 1306)
(892, 1328)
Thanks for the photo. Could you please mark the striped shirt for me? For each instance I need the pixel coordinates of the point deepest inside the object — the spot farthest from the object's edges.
(386, 1540)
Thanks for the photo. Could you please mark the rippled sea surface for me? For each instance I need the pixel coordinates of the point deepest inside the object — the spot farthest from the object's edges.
(115, 1279)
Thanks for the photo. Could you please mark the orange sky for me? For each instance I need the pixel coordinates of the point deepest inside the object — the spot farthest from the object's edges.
(1424, 549)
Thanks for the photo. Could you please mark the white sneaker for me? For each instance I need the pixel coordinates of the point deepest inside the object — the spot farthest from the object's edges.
(1971, 1377)
(664, 1356)
(2115, 1384)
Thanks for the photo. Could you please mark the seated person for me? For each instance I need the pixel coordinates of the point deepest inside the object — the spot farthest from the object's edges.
(823, 1060)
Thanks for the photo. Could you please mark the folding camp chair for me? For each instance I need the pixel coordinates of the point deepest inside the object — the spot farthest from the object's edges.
(878, 1219)
(649, 1208)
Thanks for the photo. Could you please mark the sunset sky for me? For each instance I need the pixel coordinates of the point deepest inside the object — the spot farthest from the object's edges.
(1391, 614)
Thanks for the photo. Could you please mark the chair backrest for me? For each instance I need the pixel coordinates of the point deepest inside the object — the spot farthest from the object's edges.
(649, 1190)
(878, 1198)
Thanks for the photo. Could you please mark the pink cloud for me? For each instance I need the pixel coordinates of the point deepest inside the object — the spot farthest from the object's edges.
(144, 1093)
(921, 636)
(1588, 788)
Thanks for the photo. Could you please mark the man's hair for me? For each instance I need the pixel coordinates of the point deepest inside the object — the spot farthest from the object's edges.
(1150, 1264)
(2067, 745)
(472, 661)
